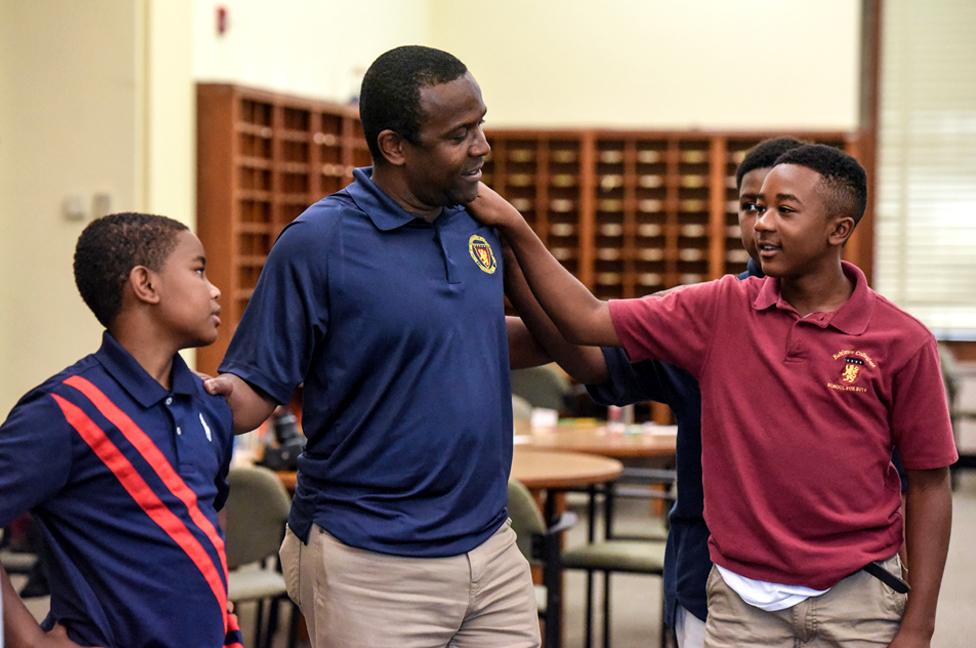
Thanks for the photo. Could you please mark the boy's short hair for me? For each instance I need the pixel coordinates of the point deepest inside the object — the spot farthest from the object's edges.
(763, 156)
(390, 94)
(843, 178)
(108, 249)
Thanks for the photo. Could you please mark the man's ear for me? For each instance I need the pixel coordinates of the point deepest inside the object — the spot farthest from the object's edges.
(142, 283)
(840, 230)
(392, 147)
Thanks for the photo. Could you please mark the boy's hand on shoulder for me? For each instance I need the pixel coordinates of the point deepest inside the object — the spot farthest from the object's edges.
(491, 209)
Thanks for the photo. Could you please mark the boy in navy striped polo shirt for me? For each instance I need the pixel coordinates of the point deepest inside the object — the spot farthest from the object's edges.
(122, 458)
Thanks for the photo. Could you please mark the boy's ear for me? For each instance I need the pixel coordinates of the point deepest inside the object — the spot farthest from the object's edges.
(142, 284)
(391, 146)
(840, 230)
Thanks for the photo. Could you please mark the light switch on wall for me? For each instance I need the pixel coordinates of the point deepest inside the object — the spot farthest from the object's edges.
(101, 204)
(73, 207)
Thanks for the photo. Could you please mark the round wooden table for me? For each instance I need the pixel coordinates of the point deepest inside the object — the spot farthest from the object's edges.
(549, 470)
(592, 438)
(539, 470)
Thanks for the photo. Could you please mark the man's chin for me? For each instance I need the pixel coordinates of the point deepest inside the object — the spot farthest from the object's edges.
(465, 197)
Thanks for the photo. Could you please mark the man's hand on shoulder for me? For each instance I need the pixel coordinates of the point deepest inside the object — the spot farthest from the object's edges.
(249, 407)
(493, 210)
(222, 385)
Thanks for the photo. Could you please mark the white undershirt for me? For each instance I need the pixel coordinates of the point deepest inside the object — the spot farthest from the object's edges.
(766, 595)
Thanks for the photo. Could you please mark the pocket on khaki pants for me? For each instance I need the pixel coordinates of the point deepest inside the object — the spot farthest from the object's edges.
(290, 554)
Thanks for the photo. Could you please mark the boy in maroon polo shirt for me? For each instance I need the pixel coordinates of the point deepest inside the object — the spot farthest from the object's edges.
(809, 379)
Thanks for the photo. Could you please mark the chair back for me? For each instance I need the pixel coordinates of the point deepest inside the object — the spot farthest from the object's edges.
(257, 510)
(542, 386)
(527, 521)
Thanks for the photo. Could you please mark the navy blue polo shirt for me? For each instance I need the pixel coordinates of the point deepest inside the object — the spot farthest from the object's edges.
(125, 479)
(396, 327)
(686, 562)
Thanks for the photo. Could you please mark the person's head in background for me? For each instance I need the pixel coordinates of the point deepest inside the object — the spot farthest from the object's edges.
(422, 115)
(749, 177)
(147, 273)
(808, 206)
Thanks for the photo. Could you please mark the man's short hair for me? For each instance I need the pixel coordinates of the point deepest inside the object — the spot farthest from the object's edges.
(843, 178)
(763, 155)
(390, 95)
(108, 249)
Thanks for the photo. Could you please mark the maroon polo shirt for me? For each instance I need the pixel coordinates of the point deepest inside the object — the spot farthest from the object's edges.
(799, 418)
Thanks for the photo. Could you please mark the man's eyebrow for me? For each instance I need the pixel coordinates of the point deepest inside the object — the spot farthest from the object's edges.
(468, 124)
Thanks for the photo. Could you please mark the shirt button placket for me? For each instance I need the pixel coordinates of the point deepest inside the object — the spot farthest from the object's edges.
(169, 404)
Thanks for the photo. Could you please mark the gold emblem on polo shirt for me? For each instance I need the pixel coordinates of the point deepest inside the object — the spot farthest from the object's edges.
(854, 366)
(482, 254)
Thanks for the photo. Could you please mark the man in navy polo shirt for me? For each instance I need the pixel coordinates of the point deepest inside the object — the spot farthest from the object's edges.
(385, 301)
(122, 458)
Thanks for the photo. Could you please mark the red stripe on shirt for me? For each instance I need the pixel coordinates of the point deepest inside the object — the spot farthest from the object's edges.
(156, 460)
(233, 628)
(144, 496)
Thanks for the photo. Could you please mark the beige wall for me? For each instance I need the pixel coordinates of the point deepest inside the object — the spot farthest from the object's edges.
(315, 48)
(97, 98)
(170, 111)
(659, 63)
(70, 127)
(637, 63)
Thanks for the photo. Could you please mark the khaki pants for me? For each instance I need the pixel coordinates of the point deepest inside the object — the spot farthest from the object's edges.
(353, 598)
(859, 611)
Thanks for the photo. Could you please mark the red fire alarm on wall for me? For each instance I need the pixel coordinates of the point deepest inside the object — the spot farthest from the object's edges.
(221, 20)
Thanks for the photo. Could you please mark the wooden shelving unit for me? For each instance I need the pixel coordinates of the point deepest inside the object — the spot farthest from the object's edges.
(632, 212)
(262, 158)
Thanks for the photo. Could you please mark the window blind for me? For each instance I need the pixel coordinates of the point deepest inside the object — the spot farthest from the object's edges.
(926, 204)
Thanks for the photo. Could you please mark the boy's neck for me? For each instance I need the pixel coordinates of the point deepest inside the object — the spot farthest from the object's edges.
(153, 355)
(822, 291)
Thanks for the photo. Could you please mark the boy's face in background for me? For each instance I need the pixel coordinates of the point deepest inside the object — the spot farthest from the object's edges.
(792, 229)
(748, 193)
(188, 305)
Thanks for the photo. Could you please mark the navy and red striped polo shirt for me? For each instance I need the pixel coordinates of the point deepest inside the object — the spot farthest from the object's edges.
(125, 479)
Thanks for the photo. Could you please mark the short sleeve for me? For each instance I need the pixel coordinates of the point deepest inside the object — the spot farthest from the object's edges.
(35, 455)
(675, 325)
(920, 421)
(630, 383)
(287, 314)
